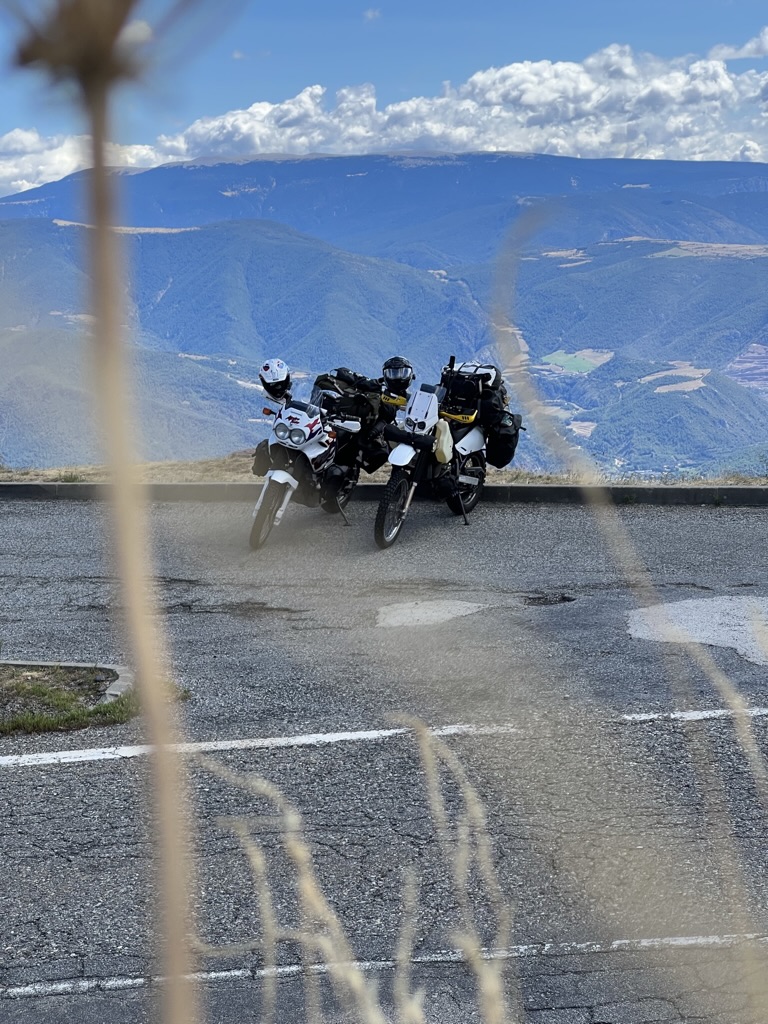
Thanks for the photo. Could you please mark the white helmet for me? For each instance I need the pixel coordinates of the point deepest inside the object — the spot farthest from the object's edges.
(275, 378)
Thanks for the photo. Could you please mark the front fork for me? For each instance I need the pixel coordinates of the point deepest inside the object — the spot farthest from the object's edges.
(279, 476)
(417, 472)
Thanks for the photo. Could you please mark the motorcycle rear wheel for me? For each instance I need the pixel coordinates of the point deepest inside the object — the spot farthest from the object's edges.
(390, 514)
(471, 465)
(265, 517)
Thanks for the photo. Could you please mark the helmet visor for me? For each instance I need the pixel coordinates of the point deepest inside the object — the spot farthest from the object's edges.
(276, 388)
(398, 373)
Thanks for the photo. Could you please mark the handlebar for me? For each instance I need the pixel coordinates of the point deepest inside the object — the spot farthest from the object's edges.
(422, 442)
(351, 426)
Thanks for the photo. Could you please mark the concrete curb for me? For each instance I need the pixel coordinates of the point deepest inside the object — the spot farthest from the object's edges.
(121, 685)
(618, 494)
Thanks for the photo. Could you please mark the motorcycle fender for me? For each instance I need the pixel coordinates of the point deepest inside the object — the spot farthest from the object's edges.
(401, 455)
(314, 450)
(280, 477)
(474, 441)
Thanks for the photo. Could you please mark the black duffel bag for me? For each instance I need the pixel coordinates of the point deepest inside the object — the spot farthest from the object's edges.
(501, 441)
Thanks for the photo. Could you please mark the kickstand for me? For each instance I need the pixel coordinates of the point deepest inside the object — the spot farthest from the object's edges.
(463, 510)
(343, 513)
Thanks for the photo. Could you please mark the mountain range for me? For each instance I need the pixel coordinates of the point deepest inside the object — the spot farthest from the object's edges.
(635, 287)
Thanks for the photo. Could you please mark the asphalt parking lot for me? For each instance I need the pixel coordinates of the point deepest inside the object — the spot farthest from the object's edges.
(625, 826)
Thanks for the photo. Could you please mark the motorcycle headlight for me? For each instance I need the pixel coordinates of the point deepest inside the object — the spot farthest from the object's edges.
(281, 431)
(409, 422)
(297, 436)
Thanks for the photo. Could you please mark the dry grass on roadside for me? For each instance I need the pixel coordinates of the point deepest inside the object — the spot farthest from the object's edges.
(236, 468)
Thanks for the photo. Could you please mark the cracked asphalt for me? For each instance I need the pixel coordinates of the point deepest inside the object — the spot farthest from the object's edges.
(620, 845)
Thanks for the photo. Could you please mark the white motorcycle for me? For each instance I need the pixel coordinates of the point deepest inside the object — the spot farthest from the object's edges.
(313, 460)
(440, 442)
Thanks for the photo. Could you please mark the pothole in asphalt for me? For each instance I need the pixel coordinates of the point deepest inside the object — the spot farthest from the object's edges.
(242, 609)
(541, 599)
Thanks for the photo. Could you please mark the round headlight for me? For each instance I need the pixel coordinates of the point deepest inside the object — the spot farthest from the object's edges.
(298, 436)
(409, 422)
(281, 431)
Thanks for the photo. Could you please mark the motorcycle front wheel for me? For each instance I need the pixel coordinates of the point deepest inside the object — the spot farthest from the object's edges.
(265, 517)
(391, 511)
(472, 465)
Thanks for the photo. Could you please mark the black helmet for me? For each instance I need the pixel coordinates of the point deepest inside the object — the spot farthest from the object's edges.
(398, 374)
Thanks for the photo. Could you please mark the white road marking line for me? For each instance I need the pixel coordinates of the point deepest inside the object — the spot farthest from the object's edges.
(64, 757)
(55, 757)
(78, 986)
(696, 716)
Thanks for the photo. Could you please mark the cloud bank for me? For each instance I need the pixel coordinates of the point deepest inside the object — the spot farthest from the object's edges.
(616, 103)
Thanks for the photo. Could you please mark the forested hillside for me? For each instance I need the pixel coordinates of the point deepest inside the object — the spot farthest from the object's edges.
(617, 273)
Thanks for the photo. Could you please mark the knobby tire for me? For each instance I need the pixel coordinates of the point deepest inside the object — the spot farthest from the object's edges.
(472, 465)
(389, 515)
(265, 517)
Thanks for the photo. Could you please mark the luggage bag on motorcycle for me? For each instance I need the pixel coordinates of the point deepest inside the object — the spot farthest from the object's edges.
(501, 440)
(261, 460)
(466, 384)
(351, 399)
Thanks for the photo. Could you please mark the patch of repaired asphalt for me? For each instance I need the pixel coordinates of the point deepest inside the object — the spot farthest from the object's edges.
(424, 613)
(737, 622)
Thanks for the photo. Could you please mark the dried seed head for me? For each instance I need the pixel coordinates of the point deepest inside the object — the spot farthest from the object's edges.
(80, 41)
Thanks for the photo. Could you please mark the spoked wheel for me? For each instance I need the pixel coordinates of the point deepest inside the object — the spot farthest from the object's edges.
(265, 517)
(340, 501)
(472, 468)
(391, 510)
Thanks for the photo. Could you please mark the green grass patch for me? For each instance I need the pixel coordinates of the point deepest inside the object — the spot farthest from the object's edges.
(42, 698)
(570, 363)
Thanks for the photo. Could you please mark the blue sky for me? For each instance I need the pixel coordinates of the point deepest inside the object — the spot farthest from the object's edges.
(677, 79)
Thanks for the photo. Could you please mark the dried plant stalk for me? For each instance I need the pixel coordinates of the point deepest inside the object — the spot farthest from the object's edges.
(472, 844)
(408, 1004)
(327, 937)
(79, 41)
(627, 559)
(269, 928)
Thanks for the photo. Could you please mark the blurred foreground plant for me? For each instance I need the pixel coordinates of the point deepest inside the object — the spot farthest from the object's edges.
(84, 42)
(465, 847)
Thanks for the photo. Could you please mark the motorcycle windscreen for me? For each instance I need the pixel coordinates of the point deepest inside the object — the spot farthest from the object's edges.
(422, 409)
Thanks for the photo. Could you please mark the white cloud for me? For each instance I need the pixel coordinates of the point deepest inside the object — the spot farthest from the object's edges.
(757, 47)
(372, 14)
(135, 35)
(616, 103)
(28, 159)
(238, 55)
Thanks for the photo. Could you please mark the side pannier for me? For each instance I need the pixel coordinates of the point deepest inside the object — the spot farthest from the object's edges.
(501, 440)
